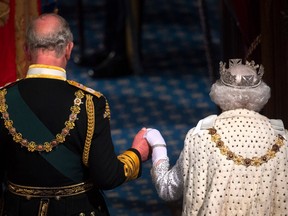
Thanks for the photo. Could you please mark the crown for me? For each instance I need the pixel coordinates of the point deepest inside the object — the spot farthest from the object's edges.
(240, 75)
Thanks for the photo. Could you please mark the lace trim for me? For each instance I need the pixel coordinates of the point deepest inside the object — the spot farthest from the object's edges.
(239, 159)
(46, 146)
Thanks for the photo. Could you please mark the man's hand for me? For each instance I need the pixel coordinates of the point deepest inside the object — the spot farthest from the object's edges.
(141, 144)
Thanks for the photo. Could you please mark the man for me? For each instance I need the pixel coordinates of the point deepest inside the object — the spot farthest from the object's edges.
(231, 164)
(56, 148)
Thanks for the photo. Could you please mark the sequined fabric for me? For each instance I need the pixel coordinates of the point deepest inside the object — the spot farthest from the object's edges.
(168, 183)
(214, 185)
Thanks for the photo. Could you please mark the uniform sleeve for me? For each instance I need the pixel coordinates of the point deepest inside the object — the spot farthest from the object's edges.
(108, 170)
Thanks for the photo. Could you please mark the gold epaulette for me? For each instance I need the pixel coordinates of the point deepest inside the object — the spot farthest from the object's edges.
(85, 88)
(107, 113)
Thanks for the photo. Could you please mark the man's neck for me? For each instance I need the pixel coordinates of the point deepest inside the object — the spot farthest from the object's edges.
(50, 59)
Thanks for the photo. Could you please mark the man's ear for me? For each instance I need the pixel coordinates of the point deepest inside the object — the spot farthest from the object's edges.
(68, 50)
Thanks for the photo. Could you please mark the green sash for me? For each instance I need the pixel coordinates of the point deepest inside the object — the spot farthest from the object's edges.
(28, 124)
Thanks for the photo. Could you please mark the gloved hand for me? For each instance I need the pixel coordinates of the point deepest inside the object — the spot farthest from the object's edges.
(141, 144)
(157, 143)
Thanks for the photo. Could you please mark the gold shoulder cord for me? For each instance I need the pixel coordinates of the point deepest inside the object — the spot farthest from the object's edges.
(90, 128)
(90, 116)
(131, 164)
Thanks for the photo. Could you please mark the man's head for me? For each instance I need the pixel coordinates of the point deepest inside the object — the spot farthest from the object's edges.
(240, 86)
(48, 37)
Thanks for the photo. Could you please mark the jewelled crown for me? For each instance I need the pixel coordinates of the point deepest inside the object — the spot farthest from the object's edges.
(240, 75)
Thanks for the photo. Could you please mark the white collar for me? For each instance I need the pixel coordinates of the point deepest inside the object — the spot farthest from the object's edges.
(46, 71)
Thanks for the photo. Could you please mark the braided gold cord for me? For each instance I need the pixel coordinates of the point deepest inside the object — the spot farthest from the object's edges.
(107, 113)
(90, 128)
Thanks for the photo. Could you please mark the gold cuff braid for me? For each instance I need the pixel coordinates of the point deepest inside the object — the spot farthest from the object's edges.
(131, 164)
(90, 128)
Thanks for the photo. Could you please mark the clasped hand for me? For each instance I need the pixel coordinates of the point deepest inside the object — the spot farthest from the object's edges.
(150, 141)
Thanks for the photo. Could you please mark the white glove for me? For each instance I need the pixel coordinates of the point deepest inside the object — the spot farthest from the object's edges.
(157, 143)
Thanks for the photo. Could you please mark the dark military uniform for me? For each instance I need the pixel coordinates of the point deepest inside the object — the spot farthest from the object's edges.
(56, 149)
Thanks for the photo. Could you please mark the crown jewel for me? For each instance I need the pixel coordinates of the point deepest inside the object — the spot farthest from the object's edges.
(240, 75)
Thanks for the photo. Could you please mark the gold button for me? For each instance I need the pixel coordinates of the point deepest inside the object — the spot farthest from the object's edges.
(82, 214)
(92, 214)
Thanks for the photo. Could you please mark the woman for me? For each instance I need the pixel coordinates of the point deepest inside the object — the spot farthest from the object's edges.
(231, 164)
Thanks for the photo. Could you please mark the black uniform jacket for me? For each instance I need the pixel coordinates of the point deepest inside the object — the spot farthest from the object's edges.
(40, 109)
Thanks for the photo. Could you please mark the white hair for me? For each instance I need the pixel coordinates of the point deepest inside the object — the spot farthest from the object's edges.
(229, 98)
(56, 39)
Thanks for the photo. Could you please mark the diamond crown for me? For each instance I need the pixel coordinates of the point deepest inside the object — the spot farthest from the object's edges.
(240, 75)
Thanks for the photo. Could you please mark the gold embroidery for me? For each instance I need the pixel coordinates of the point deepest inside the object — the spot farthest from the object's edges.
(131, 164)
(49, 192)
(239, 159)
(45, 76)
(47, 146)
(81, 86)
(107, 113)
(90, 128)
(47, 66)
(43, 207)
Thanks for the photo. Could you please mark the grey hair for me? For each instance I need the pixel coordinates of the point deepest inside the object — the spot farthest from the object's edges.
(55, 40)
(228, 98)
